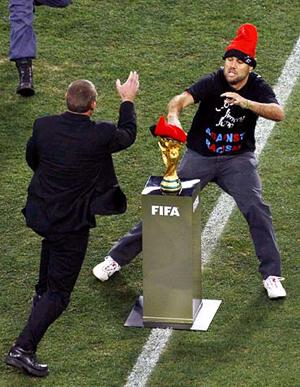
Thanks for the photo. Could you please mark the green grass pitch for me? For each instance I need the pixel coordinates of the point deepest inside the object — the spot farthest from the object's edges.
(252, 340)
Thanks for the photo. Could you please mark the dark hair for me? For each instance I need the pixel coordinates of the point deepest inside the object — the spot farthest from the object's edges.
(80, 95)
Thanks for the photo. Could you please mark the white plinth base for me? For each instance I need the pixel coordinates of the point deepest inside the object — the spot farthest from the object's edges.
(205, 315)
(201, 323)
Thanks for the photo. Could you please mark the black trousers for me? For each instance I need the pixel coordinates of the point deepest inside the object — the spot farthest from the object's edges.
(62, 256)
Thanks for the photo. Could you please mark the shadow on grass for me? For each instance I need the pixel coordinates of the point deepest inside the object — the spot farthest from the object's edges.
(113, 298)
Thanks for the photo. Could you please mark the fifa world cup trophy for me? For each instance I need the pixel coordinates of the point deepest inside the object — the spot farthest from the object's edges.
(170, 150)
(170, 143)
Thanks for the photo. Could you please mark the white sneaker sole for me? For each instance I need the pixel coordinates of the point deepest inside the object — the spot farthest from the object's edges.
(274, 296)
(100, 274)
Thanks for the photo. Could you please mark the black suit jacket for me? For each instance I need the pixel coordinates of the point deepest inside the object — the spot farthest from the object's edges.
(74, 176)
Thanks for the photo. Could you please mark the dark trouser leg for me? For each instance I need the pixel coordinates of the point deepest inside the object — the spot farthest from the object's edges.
(54, 3)
(66, 255)
(128, 247)
(41, 286)
(238, 176)
(22, 36)
(192, 166)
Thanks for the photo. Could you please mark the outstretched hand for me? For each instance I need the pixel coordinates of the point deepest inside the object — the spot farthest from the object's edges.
(129, 89)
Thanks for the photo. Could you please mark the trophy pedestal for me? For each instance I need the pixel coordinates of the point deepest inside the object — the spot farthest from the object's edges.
(172, 280)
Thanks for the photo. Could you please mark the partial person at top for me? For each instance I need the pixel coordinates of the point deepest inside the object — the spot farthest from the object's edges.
(23, 40)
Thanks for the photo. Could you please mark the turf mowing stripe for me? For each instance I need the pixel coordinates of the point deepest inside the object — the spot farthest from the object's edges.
(218, 218)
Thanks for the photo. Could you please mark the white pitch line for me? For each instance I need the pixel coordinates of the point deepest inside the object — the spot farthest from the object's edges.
(218, 218)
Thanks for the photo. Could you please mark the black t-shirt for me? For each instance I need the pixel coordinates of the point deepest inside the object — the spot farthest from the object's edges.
(219, 128)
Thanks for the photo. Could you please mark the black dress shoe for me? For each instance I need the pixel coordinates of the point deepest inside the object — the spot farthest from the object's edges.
(25, 87)
(25, 361)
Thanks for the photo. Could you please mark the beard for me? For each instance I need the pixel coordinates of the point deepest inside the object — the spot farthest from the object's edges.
(236, 79)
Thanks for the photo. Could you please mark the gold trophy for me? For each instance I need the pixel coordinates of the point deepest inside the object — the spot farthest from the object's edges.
(170, 143)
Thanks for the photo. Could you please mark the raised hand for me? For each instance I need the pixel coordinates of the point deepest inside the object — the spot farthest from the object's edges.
(129, 89)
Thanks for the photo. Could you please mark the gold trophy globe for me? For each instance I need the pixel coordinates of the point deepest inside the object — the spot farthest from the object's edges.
(170, 143)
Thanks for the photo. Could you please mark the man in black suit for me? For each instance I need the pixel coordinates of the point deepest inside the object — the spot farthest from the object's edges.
(73, 180)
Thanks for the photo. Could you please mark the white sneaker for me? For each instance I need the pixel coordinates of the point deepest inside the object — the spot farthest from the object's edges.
(105, 269)
(273, 286)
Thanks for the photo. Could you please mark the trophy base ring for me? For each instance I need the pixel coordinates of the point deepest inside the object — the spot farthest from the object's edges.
(171, 187)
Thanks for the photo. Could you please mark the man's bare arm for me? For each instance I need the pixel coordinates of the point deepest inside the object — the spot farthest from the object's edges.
(271, 111)
(176, 105)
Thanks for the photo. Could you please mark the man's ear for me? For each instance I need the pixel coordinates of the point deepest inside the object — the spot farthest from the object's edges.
(93, 105)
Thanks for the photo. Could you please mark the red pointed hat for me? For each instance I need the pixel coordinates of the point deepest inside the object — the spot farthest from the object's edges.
(243, 46)
(164, 129)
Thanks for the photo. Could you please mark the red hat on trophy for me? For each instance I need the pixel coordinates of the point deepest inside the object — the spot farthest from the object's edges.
(164, 129)
(243, 46)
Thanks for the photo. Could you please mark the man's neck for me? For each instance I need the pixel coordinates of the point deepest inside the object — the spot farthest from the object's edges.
(88, 113)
